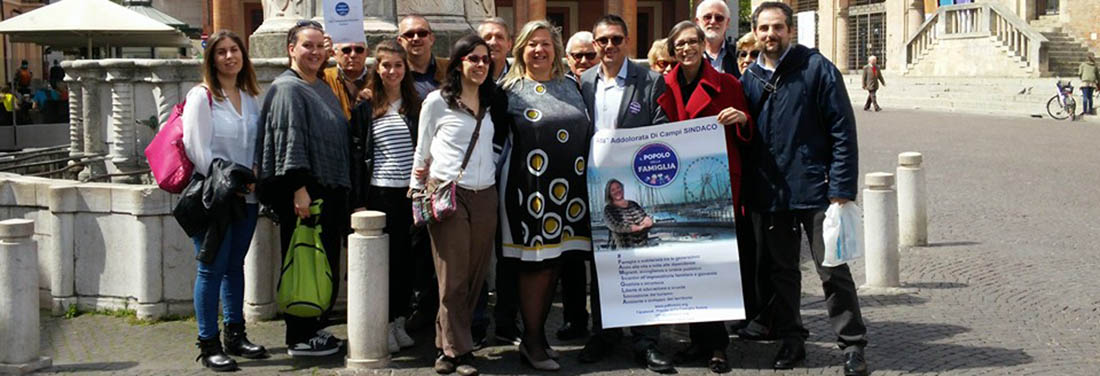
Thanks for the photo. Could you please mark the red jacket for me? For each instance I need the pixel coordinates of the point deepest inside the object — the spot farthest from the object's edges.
(716, 91)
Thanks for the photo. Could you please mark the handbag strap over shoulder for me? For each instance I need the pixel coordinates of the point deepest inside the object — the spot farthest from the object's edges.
(473, 139)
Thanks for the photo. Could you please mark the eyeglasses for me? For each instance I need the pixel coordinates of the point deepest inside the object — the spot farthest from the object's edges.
(416, 33)
(310, 23)
(662, 64)
(587, 55)
(715, 17)
(474, 59)
(615, 40)
(358, 49)
(682, 44)
(753, 54)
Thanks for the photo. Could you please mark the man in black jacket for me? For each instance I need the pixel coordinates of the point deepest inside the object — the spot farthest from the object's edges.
(621, 94)
(805, 157)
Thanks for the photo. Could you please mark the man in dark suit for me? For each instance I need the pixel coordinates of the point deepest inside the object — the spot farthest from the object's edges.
(621, 94)
(872, 76)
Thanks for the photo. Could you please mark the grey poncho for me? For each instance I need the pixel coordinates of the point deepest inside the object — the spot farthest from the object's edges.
(303, 128)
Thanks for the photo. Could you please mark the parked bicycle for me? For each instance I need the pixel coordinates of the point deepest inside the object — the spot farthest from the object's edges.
(1062, 105)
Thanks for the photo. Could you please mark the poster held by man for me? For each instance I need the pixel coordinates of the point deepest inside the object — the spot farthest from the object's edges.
(344, 21)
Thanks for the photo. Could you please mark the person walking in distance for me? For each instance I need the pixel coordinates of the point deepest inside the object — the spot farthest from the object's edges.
(804, 158)
(1088, 73)
(872, 76)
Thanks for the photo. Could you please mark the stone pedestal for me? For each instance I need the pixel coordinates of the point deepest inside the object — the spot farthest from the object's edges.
(368, 291)
(19, 298)
(912, 204)
(261, 266)
(880, 230)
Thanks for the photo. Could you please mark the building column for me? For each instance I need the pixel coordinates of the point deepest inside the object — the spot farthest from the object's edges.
(840, 47)
(628, 10)
(536, 10)
(520, 15)
(896, 34)
(227, 15)
(916, 17)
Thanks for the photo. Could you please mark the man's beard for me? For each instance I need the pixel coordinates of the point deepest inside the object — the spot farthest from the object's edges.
(712, 35)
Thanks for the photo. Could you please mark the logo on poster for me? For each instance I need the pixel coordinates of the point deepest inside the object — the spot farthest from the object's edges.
(342, 8)
(656, 165)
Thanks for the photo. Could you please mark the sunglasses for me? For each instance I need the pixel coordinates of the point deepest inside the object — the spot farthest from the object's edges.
(310, 23)
(714, 17)
(416, 33)
(474, 59)
(664, 64)
(753, 54)
(358, 49)
(615, 40)
(587, 55)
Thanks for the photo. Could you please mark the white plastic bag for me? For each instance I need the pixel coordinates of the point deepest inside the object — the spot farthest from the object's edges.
(843, 233)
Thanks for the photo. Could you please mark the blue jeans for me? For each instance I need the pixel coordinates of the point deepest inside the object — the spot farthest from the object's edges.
(1086, 92)
(224, 276)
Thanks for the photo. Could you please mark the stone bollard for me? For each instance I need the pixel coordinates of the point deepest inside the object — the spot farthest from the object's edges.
(880, 230)
(261, 267)
(19, 299)
(368, 291)
(912, 202)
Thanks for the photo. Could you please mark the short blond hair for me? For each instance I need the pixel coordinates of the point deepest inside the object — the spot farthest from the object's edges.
(747, 42)
(658, 50)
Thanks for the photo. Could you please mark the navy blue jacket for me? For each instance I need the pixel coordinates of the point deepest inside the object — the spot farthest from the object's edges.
(805, 151)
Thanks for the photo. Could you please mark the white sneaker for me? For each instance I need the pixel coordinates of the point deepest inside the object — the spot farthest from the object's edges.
(391, 341)
(401, 335)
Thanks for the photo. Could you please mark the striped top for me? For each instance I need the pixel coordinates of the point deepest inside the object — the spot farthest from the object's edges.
(393, 149)
(619, 220)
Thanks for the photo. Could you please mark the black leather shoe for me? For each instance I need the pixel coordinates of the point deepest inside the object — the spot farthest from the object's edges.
(791, 354)
(854, 364)
(656, 361)
(213, 357)
(595, 350)
(236, 343)
(749, 334)
(571, 331)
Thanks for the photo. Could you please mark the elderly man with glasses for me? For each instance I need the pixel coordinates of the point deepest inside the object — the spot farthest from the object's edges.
(714, 17)
(349, 77)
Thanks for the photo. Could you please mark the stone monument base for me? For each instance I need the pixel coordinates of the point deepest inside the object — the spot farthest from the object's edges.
(25, 368)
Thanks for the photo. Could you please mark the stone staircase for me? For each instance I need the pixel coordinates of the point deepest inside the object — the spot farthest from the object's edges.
(1064, 50)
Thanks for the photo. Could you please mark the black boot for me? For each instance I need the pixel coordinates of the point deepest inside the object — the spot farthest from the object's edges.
(213, 357)
(236, 343)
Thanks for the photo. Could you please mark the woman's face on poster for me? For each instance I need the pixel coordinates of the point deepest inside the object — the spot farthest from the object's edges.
(616, 191)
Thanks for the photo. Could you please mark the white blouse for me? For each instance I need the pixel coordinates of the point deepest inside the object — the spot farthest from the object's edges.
(444, 134)
(219, 131)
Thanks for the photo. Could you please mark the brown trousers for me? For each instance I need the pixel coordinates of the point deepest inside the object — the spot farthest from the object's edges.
(461, 247)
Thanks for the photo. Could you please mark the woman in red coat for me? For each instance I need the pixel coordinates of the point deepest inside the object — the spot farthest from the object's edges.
(695, 90)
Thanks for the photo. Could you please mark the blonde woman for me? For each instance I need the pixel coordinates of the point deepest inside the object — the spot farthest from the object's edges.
(659, 59)
(544, 205)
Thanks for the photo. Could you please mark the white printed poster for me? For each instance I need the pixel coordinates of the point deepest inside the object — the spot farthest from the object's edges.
(344, 21)
(807, 28)
(663, 225)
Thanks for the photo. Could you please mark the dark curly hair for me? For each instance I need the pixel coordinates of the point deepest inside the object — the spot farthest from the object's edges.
(451, 88)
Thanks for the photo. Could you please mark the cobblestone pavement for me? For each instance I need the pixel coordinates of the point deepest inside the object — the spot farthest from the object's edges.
(1007, 286)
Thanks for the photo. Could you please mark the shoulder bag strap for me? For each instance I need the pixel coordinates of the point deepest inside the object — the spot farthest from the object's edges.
(473, 140)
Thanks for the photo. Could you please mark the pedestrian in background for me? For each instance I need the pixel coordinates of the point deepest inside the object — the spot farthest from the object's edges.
(1088, 73)
(219, 122)
(872, 76)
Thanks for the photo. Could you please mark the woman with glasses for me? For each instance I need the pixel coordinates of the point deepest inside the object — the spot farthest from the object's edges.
(544, 192)
(219, 122)
(695, 90)
(303, 155)
(748, 50)
(659, 59)
(455, 144)
(391, 119)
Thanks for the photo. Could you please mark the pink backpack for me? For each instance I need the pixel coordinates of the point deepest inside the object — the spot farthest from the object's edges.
(167, 159)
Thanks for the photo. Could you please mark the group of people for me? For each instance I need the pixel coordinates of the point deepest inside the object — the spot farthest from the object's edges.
(514, 137)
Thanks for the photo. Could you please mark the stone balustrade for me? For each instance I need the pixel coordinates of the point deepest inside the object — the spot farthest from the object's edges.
(116, 106)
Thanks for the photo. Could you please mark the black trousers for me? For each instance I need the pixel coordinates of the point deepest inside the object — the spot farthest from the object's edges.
(334, 227)
(872, 98)
(642, 338)
(713, 335)
(778, 236)
(574, 296)
(398, 209)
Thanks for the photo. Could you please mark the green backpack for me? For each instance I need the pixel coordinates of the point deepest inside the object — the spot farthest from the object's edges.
(305, 286)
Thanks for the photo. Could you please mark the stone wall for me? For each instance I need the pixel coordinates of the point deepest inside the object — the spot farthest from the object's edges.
(1082, 20)
(117, 246)
(981, 57)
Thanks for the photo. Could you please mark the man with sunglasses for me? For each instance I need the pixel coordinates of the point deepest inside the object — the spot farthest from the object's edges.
(349, 77)
(416, 36)
(621, 94)
(805, 158)
(581, 54)
(714, 17)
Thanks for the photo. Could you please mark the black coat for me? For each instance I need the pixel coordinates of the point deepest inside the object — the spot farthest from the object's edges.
(212, 204)
(805, 151)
